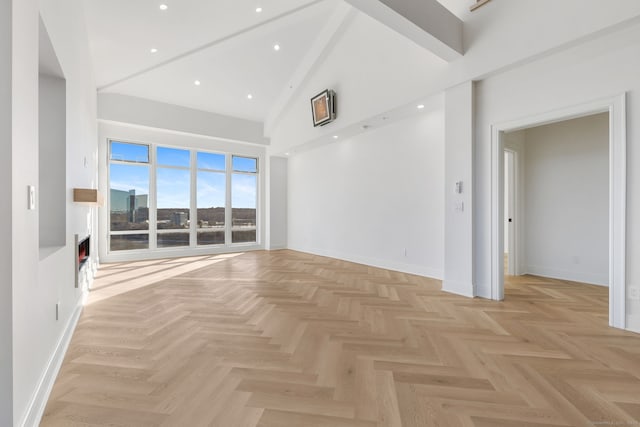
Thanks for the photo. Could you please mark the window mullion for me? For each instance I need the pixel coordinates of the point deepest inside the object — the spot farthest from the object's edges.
(193, 225)
(153, 205)
(228, 217)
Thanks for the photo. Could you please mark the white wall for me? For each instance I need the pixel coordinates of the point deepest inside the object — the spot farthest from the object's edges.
(6, 147)
(278, 203)
(567, 200)
(368, 198)
(600, 68)
(458, 207)
(38, 339)
(154, 114)
(371, 68)
(26, 347)
(374, 69)
(52, 146)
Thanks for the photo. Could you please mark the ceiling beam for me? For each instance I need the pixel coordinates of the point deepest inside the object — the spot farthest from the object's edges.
(478, 4)
(426, 22)
(324, 42)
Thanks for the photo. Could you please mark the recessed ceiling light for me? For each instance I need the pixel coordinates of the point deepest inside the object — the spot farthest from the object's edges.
(276, 47)
(335, 136)
(258, 9)
(286, 154)
(197, 82)
(421, 106)
(153, 50)
(164, 7)
(249, 96)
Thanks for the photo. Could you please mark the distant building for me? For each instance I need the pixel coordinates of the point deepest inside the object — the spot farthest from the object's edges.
(121, 200)
(135, 206)
(180, 218)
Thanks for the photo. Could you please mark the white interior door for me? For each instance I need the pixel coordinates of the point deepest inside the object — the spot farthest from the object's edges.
(510, 211)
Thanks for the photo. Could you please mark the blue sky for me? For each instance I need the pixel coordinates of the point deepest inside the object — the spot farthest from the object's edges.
(174, 184)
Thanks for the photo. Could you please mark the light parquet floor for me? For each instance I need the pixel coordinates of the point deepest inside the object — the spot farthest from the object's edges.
(285, 339)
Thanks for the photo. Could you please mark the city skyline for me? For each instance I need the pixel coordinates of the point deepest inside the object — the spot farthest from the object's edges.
(173, 177)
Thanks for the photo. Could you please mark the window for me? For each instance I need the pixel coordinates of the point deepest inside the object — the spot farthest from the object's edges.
(128, 196)
(173, 190)
(244, 199)
(212, 198)
(163, 197)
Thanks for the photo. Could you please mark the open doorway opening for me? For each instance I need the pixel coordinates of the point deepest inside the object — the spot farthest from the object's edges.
(564, 192)
(571, 224)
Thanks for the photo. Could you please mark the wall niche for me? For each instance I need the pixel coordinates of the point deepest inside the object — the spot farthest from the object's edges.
(52, 147)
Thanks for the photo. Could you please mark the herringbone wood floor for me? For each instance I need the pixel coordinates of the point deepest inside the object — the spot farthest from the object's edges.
(285, 339)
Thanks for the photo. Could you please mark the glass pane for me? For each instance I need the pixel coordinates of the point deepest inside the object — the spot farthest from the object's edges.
(173, 157)
(174, 187)
(211, 196)
(206, 237)
(129, 197)
(129, 242)
(129, 152)
(171, 240)
(211, 161)
(245, 164)
(243, 202)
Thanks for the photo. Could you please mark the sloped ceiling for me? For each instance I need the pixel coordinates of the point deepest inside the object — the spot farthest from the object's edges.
(226, 45)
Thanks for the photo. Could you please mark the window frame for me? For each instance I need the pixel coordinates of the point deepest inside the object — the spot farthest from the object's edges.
(153, 231)
(230, 196)
(227, 235)
(156, 167)
(111, 161)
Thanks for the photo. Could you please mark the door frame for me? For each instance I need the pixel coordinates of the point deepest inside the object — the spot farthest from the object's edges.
(616, 107)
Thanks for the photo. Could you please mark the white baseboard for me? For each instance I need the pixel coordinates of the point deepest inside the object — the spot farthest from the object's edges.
(458, 288)
(38, 403)
(633, 323)
(277, 247)
(418, 270)
(573, 276)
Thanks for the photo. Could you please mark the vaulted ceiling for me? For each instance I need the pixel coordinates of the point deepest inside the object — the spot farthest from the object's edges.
(232, 57)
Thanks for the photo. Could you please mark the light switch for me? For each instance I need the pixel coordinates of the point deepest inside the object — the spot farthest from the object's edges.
(31, 197)
(459, 187)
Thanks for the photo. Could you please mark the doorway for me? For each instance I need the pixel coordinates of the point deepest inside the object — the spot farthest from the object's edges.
(615, 107)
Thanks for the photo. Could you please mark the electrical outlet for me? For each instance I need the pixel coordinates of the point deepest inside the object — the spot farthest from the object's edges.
(634, 293)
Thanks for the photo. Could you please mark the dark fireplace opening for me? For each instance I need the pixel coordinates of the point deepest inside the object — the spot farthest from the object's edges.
(83, 251)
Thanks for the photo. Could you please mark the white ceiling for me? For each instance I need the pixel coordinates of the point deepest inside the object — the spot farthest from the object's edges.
(224, 44)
